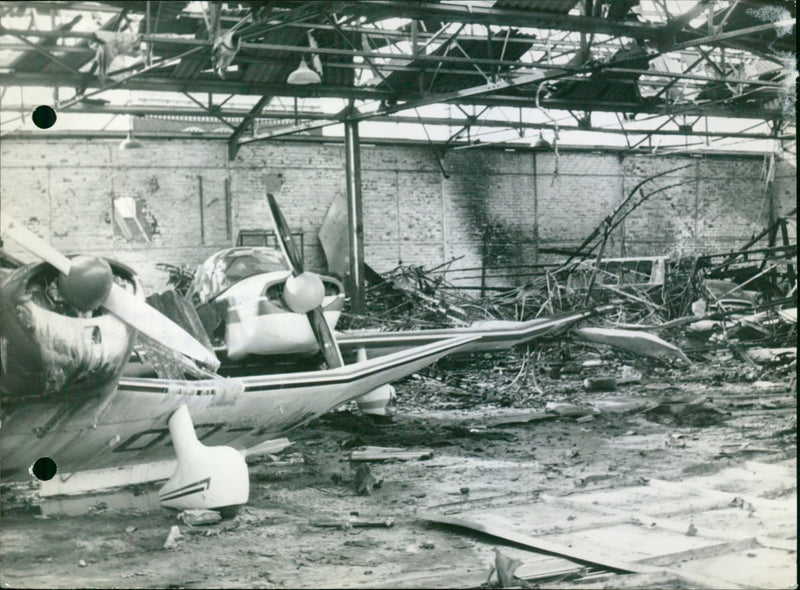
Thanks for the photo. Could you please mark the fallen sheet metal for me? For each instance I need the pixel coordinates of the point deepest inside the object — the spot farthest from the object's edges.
(789, 315)
(767, 355)
(696, 530)
(633, 341)
(333, 236)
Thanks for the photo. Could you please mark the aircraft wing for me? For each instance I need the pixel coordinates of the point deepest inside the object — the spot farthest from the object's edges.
(490, 335)
(131, 426)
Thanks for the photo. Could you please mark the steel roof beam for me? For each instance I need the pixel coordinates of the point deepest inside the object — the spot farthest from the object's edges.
(712, 109)
(217, 86)
(43, 51)
(504, 17)
(394, 67)
(677, 23)
(292, 129)
(283, 132)
(33, 136)
(459, 13)
(720, 37)
(73, 6)
(254, 113)
(234, 114)
(210, 111)
(157, 40)
(209, 84)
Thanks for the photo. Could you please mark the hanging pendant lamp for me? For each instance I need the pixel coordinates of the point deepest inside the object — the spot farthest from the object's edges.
(303, 75)
(130, 143)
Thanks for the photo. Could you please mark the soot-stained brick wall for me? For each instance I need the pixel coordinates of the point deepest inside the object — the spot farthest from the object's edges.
(502, 205)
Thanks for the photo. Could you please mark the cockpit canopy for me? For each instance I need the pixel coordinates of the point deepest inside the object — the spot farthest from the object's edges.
(230, 266)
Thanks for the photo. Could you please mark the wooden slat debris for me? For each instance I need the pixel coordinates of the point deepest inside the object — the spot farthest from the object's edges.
(353, 522)
(439, 578)
(518, 418)
(548, 566)
(369, 453)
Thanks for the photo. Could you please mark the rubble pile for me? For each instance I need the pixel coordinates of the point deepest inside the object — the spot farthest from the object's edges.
(732, 315)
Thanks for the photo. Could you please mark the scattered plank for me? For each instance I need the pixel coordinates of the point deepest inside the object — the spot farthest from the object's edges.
(661, 579)
(499, 528)
(547, 567)
(767, 355)
(389, 454)
(445, 578)
(518, 418)
(353, 522)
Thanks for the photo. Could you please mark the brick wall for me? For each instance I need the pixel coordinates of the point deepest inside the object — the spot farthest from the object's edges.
(497, 203)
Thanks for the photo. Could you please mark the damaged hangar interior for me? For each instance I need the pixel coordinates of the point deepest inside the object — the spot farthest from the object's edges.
(398, 294)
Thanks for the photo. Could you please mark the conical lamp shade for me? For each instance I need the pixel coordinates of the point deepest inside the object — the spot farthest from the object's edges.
(129, 143)
(303, 75)
(542, 143)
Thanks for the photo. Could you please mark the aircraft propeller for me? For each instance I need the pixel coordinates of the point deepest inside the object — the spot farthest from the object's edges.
(86, 282)
(303, 291)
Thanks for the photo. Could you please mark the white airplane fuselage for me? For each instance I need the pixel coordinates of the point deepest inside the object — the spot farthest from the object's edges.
(130, 425)
(255, 324)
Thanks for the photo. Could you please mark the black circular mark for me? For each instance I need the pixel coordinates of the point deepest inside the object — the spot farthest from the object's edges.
(44, 468)
(44, 116)
(228, 512)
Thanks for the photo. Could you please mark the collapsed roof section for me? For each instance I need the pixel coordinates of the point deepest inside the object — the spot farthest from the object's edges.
(678, 60)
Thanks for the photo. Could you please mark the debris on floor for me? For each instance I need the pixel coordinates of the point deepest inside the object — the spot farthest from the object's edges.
(172, 538)
(199, 517)
(370, 453)
(598, 458)
(365, 482)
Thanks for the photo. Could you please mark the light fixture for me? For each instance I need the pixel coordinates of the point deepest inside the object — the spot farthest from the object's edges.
(542, 143)
(303, 75)
(130, 143)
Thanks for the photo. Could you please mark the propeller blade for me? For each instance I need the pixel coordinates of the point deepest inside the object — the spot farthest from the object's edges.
(285, 237)
(30, 241)
(120, 302)
(135, 312)
(316, 317)
(327, 343)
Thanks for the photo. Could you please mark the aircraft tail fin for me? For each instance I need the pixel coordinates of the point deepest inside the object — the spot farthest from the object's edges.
(213, 478)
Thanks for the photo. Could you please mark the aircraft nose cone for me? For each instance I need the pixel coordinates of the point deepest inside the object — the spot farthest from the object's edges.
(88, 283)
(303, 292)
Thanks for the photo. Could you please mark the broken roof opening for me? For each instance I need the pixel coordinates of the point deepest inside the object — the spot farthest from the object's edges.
(666, 73)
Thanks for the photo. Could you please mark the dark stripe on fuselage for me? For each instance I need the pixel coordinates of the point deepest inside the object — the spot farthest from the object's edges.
(201, 485)
(149, 388)
(310, 382)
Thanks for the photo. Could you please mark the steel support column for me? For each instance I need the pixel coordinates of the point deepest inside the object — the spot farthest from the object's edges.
(355, 223)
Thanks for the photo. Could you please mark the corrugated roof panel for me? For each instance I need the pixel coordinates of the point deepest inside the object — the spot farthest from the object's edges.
(189, 67)
(407, 80)
(552, 6)
(600, 89)
(34, 61)
(279, 64)
(275, 66)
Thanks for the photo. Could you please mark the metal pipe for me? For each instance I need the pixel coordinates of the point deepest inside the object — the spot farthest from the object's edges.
(242, 114)
(355, 224)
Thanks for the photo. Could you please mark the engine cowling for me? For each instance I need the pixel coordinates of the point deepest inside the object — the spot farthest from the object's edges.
(49, 348)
